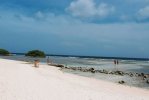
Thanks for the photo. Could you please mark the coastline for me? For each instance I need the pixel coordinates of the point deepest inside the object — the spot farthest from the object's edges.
(21, 81)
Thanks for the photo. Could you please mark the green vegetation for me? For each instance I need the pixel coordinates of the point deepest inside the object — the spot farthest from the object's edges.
(4, 52)
(36, 53)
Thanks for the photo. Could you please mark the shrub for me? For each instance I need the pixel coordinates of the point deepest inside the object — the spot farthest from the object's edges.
(36, 53)
(4, 52)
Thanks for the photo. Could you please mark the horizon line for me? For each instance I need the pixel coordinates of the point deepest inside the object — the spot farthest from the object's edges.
(102, 57)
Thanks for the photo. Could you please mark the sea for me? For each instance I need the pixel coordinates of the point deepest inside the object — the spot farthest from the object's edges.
(126, 65)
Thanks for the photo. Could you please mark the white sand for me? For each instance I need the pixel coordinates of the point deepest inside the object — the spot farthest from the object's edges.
(21, 81)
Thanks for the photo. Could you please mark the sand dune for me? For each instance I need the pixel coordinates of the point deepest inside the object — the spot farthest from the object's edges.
(21, 81)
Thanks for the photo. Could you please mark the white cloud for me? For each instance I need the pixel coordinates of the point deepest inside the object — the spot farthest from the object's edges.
(143, 13)
(89, 8)
(137, 1)
(104, 9)
(39, 15)
(82, 8)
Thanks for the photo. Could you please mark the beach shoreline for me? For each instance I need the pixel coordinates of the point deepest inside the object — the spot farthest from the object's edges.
(21, 81)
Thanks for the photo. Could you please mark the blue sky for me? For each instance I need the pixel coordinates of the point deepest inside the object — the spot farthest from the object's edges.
(77, 27)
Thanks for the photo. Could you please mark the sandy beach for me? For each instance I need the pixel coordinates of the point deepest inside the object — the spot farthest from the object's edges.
(21, 81)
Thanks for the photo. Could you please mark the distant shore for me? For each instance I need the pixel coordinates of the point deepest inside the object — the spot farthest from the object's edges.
(97, 57)
(21, 81)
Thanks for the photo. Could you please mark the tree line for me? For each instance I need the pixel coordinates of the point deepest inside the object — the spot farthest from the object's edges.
(32, 53)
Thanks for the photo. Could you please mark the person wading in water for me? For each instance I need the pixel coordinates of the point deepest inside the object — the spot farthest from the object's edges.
(116, 62)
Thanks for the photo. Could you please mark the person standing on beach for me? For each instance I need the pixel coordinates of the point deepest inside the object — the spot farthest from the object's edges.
(117, 62)
(48, 60)
(36, 63)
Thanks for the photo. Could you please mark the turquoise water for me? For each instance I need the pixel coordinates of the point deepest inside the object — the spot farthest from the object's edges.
(124, 65)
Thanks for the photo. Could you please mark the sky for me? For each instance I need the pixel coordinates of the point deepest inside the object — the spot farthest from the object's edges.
(117, 28)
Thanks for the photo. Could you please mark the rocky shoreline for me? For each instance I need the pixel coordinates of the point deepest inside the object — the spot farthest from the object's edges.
(143, 76)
